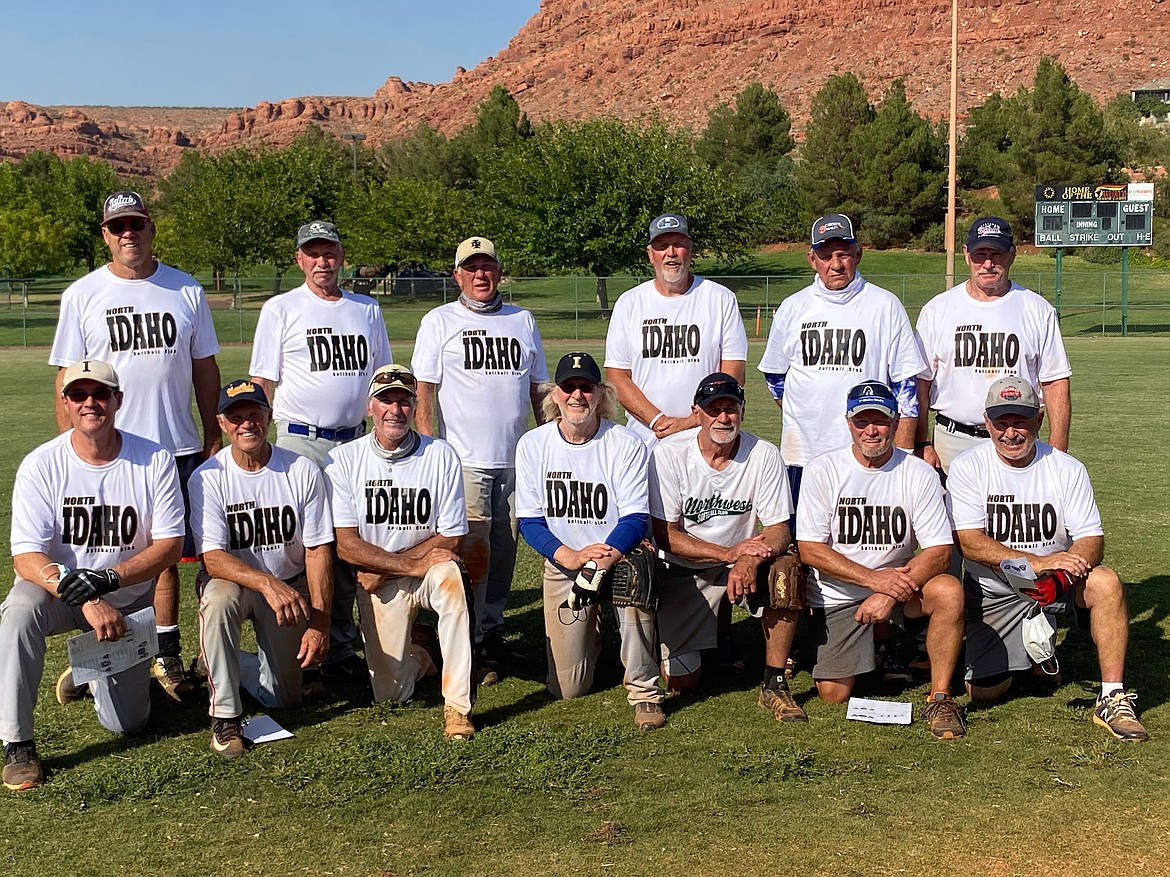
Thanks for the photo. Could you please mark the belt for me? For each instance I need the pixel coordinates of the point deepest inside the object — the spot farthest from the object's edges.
(954, 426)
(330, 435)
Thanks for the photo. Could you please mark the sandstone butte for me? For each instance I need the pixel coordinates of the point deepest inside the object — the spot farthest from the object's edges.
(628, 58)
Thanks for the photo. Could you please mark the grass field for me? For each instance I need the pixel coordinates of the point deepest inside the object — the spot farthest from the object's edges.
(571, 788)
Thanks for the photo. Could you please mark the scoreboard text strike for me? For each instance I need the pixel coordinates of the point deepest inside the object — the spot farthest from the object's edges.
(1106, 215)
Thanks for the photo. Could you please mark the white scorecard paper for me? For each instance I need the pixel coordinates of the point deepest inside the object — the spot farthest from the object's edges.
(1019, 574)
(91, 660)
(264, 729)
(879, 712)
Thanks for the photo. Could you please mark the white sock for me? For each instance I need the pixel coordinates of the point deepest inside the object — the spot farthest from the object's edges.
(1108, 689)
(166, 628)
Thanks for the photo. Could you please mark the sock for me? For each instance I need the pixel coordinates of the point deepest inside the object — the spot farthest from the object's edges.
(1108, 689)
(774, 677)
(168, 642)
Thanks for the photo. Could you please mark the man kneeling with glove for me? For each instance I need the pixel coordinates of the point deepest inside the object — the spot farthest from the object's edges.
(96, 515)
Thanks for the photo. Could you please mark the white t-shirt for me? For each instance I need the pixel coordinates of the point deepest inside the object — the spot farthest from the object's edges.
(323, 353)
(874, 517)
(670, 343)
(396, 505)
(1041, 509)
(149, 331)
(265, 518)
(825, 348)
(720, 507)
(94, 517)
(481, 362)
(581, 490)
(971, 344)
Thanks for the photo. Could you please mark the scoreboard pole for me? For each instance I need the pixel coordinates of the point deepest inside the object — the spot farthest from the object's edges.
(1056, 295)
(1124, 291)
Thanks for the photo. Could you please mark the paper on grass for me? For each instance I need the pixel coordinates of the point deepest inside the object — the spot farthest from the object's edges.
(880, 712)
(264, 729)
(91, 660)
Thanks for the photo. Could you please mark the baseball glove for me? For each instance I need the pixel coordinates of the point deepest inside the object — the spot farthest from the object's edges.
(781, 581)
(633, 581)
(1050, 586)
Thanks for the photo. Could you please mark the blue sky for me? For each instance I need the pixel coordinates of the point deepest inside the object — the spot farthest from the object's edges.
(235, 54)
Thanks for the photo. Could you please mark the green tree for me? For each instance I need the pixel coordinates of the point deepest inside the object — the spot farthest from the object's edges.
(758, 129)
(403, 219)
(499, 124)
(983, 155)
(31, 242)
(580, 195)
(831, 165)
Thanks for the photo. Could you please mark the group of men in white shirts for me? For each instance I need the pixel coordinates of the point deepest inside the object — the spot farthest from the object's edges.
(292, 533)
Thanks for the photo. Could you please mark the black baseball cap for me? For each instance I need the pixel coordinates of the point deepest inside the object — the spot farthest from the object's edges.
(832, 226)
(241, 391)
(577, 365)
(718, 385)
(991, 232)
(669, 223)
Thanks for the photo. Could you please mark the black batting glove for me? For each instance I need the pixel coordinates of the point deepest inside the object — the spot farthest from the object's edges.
(81, 585)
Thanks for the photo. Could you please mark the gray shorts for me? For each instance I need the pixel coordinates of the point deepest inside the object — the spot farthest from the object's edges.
(995, 629)
(187, 464)
(688, 609)
(844, 647)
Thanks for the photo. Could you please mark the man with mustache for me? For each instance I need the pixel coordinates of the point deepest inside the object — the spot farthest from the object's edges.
(986, 328)
(711, 490)
(873, 527)
(1016, 497)
(260, 516)
(317, 347)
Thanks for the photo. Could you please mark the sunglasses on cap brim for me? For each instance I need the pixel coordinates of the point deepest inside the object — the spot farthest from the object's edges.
(388, 378)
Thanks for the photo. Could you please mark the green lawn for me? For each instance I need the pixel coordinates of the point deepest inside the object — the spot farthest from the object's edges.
(571, 788)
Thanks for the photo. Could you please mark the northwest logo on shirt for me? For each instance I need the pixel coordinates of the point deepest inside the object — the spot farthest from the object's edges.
(252, 526)
(661, 340)
(870, 526)
(831, 348)
(397, 506)
(569, 498)
(985, 350)
(483, 352)
(1020, 523)
(150, 332)
(700, 510)
(336, 352)
(96, 526)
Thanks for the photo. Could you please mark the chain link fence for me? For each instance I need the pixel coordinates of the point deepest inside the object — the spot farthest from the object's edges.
(1090, 303)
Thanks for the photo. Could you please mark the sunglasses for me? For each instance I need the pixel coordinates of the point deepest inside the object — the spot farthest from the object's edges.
(721, 388)
(401, 378)
(98, 394)
(117, 226)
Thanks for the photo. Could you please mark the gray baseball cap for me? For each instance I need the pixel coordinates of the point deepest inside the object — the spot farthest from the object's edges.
(833, 226)
(1012, 395)
(317, 231)
(669, 223)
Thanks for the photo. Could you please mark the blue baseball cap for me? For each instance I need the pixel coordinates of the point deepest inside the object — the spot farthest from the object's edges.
(241, 391)
(871, 396)
(991, 232)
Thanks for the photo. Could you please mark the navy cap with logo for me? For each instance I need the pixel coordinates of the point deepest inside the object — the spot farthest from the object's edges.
(577, 365)
(669, 223)
(317, 231)
(124, 203)
(718, 385)
(991, 232)
(241, 391)
(832, 226)
(871, 396)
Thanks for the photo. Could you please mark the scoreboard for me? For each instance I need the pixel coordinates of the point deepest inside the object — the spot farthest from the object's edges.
(1104, 215)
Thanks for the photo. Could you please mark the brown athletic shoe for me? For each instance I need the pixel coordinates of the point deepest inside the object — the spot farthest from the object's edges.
(227, 737)
(777, 699)
(1116, 714)
(22, 767)
(168, 673)
(456, 725)
(67, 691)
(649, 716)
(944, 717)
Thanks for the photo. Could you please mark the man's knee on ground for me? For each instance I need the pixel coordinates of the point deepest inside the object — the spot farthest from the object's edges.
(835, 690)
(681, 673)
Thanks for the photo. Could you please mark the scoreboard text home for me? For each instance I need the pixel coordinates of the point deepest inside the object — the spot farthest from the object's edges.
(1106, 215)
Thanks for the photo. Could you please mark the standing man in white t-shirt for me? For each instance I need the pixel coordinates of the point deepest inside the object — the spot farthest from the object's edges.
(865, 509)
(476, 351)
(96, 516)
(719, 505)
(400, 519)
(261, 521)
(1015, 497)
(666, 335)
(581, 495)
(316, 348)
(151, 323)
(987, 328)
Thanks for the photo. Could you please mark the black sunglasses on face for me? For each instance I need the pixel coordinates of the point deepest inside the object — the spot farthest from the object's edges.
(117, 226)
(99, 394)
